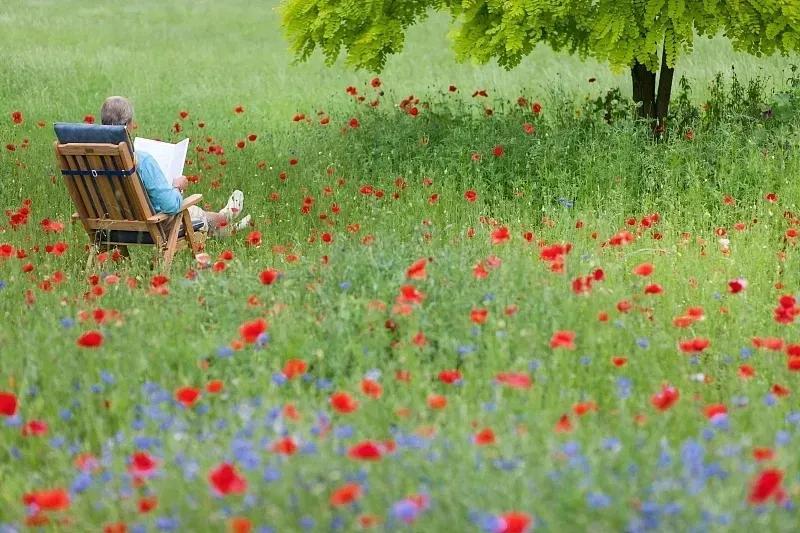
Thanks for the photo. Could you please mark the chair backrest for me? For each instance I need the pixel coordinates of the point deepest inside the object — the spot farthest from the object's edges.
(99, 170)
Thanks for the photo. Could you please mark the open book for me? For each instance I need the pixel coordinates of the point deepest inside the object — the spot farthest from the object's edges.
(170, 157)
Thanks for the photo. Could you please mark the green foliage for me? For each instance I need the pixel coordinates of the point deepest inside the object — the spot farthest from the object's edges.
(618, 32)
(369, 30)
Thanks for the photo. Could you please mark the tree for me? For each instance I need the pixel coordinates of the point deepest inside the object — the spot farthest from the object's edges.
(645, 36)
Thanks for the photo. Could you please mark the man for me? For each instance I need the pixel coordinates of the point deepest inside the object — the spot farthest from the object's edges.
(164, 196)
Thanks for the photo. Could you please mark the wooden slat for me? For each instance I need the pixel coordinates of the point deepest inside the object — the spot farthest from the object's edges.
(102, 184)
(122, 225)
(89, 149)
(88, 186)
(118, 186)
(80, 186)
(77, 199)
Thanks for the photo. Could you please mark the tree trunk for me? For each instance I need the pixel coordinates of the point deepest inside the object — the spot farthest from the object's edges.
(644, 90)
(664, 89)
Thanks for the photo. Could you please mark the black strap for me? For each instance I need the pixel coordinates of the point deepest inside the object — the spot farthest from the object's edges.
(96, 173)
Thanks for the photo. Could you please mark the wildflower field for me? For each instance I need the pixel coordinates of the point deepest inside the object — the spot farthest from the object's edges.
(469, 299)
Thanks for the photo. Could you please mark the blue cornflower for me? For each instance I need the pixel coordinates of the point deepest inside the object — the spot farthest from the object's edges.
(642, 343)
(598, 500)
(81, 482)
(623, 387)
(271, 474)
(224, 351)
(345, 285)
(165, 523)
(67, 323)
(465, 349)
(566, 202)
(343, 432)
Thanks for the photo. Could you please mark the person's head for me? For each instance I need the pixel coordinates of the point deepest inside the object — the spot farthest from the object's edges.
(117, 111)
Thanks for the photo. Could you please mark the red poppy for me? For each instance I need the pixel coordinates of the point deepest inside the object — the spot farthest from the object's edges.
(268, 276)
(484, 437)
(8, 403)
(767, 485)
(763, 454)
(346, 494)
(417, 269)
(371, 388)
(436, 401)
(581, 408)
(142, 465)
(16, 117)
(342, 402)
(514, 380)
(187, 396)
(694, 346)
(240, 524)
(449, 376)
(500, 235)
(353, 123)
(653, 288)
(645, 269)
(563, 339)
(365, 451)
(215, 386)
(89, 119)
(90, 339)
(514, 522)
(47, 500)
(252, 330)
(225, 479)
(284, 446)
(294, 368)
(34, 428)
(478, 316)
(715, 409)
(536, 108)
(147, 504)
(238, 109)
(564, 424)
(409, 294)
(498, 151)
(665, 398)
(736, 286)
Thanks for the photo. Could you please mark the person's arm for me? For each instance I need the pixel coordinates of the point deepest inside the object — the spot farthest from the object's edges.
(164, 197)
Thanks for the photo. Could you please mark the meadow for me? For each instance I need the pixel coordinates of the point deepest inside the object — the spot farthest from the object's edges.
(453, 311)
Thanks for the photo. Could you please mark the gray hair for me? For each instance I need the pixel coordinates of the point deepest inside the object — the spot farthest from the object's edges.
(116, 111)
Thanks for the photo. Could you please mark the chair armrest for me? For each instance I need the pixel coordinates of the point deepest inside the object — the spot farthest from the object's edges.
(159, 217)
(191, 200)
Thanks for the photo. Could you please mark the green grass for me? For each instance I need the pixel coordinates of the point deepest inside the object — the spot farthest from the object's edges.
(333, 306)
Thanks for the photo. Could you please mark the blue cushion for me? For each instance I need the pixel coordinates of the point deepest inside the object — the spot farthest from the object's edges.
(91, 133)
(137, 237)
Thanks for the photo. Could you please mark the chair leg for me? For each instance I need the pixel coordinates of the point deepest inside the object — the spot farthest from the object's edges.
(189, 233)
(172, 243)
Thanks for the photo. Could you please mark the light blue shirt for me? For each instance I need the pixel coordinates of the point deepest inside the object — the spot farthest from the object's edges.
(164, 197)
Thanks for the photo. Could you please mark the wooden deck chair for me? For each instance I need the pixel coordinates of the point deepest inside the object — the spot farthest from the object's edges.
(99, 169)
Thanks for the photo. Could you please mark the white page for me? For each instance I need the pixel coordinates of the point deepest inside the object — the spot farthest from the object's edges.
(179, 158)
(169, 157)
